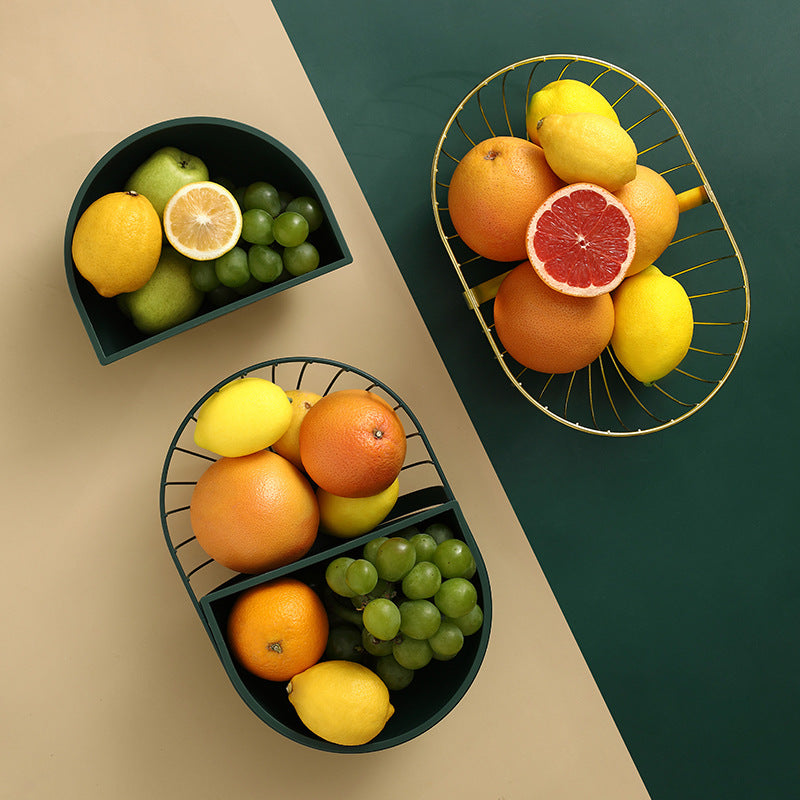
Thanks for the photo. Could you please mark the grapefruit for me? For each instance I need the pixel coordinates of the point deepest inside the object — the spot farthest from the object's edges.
(546, 330)
(581, 240)
(493, 193)
(255, 512)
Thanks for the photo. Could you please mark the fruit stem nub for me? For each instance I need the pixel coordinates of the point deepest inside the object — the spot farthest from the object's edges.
(275, 647)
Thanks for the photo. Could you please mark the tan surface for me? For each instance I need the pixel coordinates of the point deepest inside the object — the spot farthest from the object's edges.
(109, 685)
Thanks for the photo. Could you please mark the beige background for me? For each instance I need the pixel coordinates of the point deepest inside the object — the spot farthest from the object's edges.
(109, 685)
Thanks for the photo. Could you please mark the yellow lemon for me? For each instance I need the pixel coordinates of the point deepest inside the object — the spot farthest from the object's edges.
(346, 517)
(588, 148)
(202, 220)
(565, 96)
(653, 324)
(117, 243)
(341, 701)
(288, 445)
(244, 416)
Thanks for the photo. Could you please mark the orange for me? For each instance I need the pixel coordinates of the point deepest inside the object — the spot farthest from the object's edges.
(278, 629)
(653, 205)
(288, 445)
(581, 240)
(494, 191)
(352, 443)
(546, 330)
(255, 512)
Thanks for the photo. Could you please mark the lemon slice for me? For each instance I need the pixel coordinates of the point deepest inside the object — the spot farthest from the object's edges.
(202, 220)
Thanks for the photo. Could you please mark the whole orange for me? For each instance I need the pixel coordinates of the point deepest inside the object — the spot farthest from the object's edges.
(653, 205)
(546, 330)
(278, 629)
(494, 191)
(352, 443)
(288, 445)
(255, 512)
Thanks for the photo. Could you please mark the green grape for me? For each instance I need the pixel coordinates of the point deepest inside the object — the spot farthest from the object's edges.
(422, 581)
(221, 295)
(204, 276)
(456, 597)
(301, 259)
(285, 198)
(382, 589)
(335, 574)
(412, 653)
(381, 618)
(265, 263)
(394, 558)
(290, 229)
(375, 646)
(253, 285)
(425, 545)
(232, 269)
(361, 576)
(225, 182)
(470, 622)
(393, 674)
(310, 208)
(408, 532)
(439, 531)
(263, 195)
(447, 641)
(257, 227)
(344, 643)
(419, 619)
(454, 559)
(371, 548)
(238, 196)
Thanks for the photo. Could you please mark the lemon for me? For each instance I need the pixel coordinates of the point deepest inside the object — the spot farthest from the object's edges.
(565, 96)
(117, 242)
(202, 220)
(244, 416)
(653, 324)
(590, 148)
(341, 701)
(346, 517)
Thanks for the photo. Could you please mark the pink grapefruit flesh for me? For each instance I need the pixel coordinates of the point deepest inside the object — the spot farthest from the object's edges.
(581, 240)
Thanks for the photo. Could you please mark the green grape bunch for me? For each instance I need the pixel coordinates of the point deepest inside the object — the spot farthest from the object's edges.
(408, 599)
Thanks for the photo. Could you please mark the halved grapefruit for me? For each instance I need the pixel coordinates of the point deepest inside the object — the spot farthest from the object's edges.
(581, 240)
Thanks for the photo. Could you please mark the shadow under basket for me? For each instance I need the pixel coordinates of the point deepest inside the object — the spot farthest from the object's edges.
(425, 498)
(233, 152)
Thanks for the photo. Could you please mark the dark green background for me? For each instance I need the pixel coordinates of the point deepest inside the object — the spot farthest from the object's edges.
(674, 556)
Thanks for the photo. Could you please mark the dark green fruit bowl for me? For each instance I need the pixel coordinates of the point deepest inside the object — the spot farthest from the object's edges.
(425, 498)
(232, 151)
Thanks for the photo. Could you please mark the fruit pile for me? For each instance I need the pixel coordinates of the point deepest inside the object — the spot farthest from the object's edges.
(291, 464)
(587, 223)
(172, 239)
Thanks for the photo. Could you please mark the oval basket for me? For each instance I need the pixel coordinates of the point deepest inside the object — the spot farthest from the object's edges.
(603, 398)
(425, 498)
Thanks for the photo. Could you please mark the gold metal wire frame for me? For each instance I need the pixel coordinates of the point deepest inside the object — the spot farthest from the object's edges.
(603, 398)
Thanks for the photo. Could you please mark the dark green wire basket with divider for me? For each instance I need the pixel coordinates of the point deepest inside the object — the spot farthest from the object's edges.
(603, 398)
(425, 498)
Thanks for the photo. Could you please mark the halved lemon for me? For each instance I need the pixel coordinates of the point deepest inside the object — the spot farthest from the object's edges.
(202, 220)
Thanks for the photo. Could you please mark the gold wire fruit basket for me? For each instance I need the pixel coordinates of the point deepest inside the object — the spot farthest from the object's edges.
(603, 398)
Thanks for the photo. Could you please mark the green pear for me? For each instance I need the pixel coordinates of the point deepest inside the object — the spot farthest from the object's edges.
(164, 172)
(168, 298)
